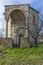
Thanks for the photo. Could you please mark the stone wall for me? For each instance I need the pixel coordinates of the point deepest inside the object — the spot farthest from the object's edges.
(6, 42)
(24, 42)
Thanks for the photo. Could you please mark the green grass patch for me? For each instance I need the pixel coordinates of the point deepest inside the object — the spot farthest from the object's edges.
(22, 56)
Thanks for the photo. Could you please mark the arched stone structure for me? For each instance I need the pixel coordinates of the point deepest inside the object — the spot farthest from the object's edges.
(10, 8)
(18, 25)
(17, 18)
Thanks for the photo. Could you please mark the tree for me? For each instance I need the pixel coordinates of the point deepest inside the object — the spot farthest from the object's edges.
(35, 28)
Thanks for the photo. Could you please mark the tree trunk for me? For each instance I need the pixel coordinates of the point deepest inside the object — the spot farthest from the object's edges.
(30, 44)
(35, 42)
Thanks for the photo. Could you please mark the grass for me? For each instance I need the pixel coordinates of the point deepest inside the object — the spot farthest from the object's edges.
(22, 56)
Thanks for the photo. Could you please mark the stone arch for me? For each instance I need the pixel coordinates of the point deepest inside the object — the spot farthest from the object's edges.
(18, 13)
(11, 10)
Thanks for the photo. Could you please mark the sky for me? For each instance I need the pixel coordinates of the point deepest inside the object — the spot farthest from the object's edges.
(37, 4)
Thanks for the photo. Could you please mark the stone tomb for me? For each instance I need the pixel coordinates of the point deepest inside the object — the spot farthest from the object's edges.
(16, 21)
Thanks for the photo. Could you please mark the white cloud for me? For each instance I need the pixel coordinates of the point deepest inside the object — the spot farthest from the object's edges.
(15, 1)
(1, 11)
(1, 2)
(1, 25)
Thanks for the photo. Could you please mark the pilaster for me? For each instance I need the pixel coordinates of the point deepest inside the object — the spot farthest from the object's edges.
(6, 28)
(9, 27)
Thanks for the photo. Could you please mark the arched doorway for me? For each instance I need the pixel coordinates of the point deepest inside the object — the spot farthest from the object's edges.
(17, 26)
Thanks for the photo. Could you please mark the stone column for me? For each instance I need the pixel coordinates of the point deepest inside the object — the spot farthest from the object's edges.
(6, 28)
(26, 31)
(9, 27)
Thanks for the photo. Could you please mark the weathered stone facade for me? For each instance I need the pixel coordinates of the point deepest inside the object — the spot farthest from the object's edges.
(16, 21)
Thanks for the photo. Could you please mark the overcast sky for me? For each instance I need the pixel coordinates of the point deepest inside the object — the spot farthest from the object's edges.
(37, 4)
